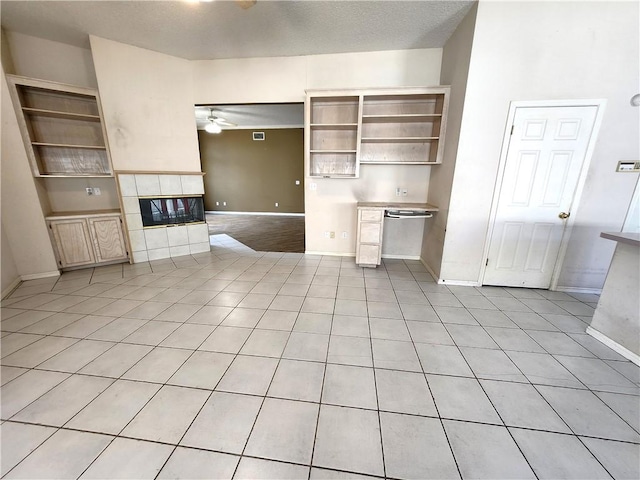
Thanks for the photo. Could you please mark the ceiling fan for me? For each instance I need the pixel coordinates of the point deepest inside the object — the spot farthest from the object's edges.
(216, 123)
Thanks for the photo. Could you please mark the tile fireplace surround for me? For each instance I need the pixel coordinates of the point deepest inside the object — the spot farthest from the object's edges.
(161, 242)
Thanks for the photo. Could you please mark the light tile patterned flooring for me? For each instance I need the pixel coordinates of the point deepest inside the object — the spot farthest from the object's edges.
(251, 365)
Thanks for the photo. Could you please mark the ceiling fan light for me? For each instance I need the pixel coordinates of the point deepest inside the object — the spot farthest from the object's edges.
(213, 127)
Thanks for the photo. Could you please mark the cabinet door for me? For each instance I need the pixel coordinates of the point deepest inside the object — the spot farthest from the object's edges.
(73, 242)
(108, 239)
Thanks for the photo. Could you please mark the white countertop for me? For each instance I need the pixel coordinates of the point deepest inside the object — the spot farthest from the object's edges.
(623, 237)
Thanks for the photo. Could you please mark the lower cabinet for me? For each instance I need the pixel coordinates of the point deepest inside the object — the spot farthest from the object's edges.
(89, 239)
(369, 237)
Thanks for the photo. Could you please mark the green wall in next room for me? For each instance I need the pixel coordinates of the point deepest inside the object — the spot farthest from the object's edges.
(250, 175)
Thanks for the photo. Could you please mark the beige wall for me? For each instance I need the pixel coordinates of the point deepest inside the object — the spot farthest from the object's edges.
(38, 58)
(331, 205)
(455, 69)
(9, 269)
(547, 51)
(147, 102)
(252, 176)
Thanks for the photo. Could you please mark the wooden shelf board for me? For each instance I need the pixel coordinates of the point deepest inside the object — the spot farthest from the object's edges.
(332, 151)
(62, 145)
(404, 117)
(399, 162)
(58, 114)
(398, 139)
(333, 175)
(74, 175)
(334, 126)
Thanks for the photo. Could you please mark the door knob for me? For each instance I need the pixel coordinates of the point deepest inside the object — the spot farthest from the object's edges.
(564, 215)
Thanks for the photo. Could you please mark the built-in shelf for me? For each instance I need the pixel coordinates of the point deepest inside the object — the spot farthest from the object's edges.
(346, 128)
(61, 127)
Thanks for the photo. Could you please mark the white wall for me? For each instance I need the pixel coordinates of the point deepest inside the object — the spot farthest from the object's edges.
(22, 216)
(455, 69)
(147, 103)
(546, 51)
(331, 207)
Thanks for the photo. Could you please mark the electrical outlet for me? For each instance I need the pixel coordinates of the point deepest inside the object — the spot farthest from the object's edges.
(326, 234)
(96, 191)
(332, 234)
(89, 191)
(397, 191)
(276, 204)
(217, 204)
(297, 182)
(345, 235)
(224, 204)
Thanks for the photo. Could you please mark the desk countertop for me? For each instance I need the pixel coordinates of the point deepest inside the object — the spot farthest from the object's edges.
(623, 237)
(399, 206)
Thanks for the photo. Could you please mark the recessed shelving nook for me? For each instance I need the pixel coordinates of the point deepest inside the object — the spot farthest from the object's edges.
(66, 145)
(347, 128)
(62, 128)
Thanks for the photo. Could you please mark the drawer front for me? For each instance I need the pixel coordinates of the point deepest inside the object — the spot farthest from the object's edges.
(371, 215)
(370, 232)
(368, 255)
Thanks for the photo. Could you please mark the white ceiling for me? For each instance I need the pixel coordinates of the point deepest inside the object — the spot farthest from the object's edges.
(221, 29)
(290, 115)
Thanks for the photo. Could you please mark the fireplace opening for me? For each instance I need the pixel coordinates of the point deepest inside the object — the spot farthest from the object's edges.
(160, 211)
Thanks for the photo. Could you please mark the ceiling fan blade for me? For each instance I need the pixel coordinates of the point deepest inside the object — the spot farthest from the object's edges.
(244, 4)
(224, 123)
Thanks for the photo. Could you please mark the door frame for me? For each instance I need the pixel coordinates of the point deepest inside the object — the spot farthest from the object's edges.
(600, 104)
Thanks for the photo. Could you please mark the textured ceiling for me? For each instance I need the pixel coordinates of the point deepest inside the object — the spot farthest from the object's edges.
(221, 29)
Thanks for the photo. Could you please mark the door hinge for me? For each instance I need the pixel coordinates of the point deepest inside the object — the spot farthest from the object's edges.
(512, 127)
(486, 264)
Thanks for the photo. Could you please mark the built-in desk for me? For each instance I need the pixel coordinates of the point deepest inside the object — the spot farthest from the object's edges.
(616, 321)
(371, 224)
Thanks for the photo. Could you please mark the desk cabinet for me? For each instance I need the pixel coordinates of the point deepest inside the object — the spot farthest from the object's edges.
(369, 236)
(87, 239)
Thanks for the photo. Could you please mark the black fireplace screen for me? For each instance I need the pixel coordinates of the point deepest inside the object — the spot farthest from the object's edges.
(171, 211)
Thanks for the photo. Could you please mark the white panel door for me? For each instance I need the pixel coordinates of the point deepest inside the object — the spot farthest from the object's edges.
(546, 152)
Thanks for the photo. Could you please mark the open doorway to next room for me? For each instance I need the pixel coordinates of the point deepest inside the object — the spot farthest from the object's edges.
(253, 160)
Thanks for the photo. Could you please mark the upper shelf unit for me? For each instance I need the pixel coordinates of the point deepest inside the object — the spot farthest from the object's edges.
(62, 128)
(384, 126)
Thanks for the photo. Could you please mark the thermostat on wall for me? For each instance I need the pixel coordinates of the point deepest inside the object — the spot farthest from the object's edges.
(628, 166)
(258, 135)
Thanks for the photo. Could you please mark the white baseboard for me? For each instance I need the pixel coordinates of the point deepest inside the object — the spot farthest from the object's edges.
(330, 254)
(36, 276)
(400, 257)
(208, 212)
(596, 291)
(625, 352)
(11, 287)
(459, 283)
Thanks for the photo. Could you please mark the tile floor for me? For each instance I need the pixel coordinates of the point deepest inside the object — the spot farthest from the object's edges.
(239, 364)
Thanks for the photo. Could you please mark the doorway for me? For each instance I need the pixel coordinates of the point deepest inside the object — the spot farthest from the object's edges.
(253, 160)
(548, 148)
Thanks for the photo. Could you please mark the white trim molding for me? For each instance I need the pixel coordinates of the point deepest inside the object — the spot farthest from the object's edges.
(330, 254)
(7, 291)
(401, 257)
(595, 291)
(36, 276)
(613, 345)
(217, 212)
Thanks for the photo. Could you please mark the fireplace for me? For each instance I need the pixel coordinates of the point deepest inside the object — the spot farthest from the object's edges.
(161, 211)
